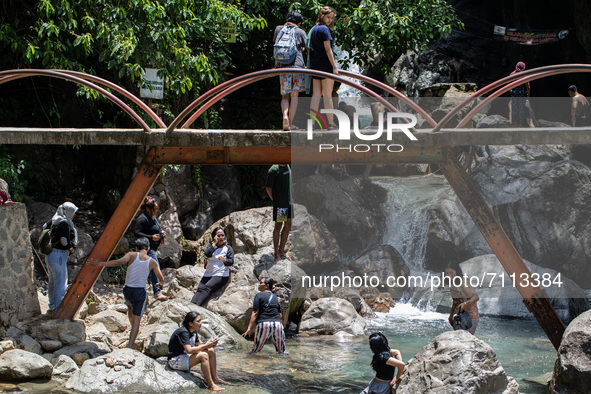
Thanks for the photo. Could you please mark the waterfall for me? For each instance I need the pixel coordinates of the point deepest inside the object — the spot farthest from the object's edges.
(408, 218)
(345, 90)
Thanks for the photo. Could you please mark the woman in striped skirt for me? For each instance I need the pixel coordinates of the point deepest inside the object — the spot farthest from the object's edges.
(266, 314)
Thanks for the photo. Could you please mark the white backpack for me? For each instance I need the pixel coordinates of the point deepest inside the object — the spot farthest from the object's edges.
(285, 49)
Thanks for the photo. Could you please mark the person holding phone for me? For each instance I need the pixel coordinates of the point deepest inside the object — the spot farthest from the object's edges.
(147, 226)
(219, 257)
(185, 351)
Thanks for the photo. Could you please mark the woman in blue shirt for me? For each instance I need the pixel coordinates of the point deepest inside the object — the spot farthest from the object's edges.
(322, 59)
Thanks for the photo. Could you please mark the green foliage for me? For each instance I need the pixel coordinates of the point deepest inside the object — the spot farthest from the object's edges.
(10, 171)
(248, 182)
(116, 275)
(117, 40)
(375, 32)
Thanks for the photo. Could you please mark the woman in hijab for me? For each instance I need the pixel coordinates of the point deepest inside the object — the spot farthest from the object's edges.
(64, 239)
(517, 110)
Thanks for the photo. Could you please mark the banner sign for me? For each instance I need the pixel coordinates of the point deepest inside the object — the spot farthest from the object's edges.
(528, 37)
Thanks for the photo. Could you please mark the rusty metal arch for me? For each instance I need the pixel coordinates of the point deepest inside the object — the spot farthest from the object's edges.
(511, 81)
(232, 85)
(80, 78)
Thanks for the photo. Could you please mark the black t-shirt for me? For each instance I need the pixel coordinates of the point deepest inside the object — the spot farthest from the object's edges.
(181, 337)
(266, 312)
(145, 226)
(383, 370)
(279, 180)
(62, 230)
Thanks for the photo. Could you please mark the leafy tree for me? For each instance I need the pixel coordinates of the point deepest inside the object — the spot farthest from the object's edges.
(118, 39)
(375, 32)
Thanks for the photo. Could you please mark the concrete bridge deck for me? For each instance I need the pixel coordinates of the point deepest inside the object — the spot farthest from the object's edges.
(273, 138)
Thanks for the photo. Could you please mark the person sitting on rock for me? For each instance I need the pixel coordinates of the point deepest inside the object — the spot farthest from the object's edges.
(384, 361)
(139, 266)
(220, 256)
(185, 351)
(266, 314)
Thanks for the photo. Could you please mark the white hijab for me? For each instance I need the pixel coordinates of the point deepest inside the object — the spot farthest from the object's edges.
(65, 212)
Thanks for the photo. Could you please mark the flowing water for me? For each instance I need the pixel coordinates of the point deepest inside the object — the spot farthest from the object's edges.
(342, 365)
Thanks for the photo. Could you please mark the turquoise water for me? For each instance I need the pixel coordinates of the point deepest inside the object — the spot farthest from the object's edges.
(330, 364)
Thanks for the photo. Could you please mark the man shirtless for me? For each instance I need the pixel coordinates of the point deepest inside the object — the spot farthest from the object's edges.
(579, 107)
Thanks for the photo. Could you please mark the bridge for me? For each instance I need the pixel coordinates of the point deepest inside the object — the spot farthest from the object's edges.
(178, 144)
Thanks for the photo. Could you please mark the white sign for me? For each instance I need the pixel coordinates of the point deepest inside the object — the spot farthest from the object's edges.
(151, 77)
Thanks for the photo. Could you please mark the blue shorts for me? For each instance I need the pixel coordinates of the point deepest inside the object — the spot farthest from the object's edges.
(135, 299)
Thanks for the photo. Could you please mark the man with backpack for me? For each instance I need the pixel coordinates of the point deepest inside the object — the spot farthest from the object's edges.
(290, 41)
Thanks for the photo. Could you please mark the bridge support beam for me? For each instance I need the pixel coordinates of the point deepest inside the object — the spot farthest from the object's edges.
(107, 242)
(534, 298)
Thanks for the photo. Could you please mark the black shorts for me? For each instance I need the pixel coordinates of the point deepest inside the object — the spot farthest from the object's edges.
(282, 214)
(322, 67)
(135, 299)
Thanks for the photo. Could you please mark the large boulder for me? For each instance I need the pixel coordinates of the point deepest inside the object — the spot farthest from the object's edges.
(382, 262)
(63, 368)
(203, 195)
(126, 370)
(169, 252)
(541, 205)
(20, 365)
(68, 332)
(572, 370)
(348, 207)
(315, 248)
(174, 311)
(455, 362)
(498, 296)
(330, 316)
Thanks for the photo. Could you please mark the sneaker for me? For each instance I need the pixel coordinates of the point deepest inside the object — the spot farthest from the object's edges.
(332, 126)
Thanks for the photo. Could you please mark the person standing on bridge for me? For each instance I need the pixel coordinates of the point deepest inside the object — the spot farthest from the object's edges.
(291, 84)
(64, 239)
(517, 110)
(139, 266)
(323, 59)
(147, 226)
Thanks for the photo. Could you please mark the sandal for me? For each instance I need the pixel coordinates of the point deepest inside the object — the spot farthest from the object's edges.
(286, 125)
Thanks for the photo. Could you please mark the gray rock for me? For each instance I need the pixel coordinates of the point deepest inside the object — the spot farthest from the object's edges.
(169, 253)
(493, 122)
(30, 345)
(63, 368)
(315, 249)
(156, 344)
(174, 311)
(382, 262)
(51, 346)
(329, 316)
(348, 207)
(83, 351)
(145, 375)
(498, 296)
(572, 370)
(68, 332)
(20, 365)
(114, 321)
(455, 362)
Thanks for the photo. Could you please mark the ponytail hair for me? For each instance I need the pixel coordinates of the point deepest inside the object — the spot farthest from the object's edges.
(189, 317)
(149, 203)
(271, 283)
